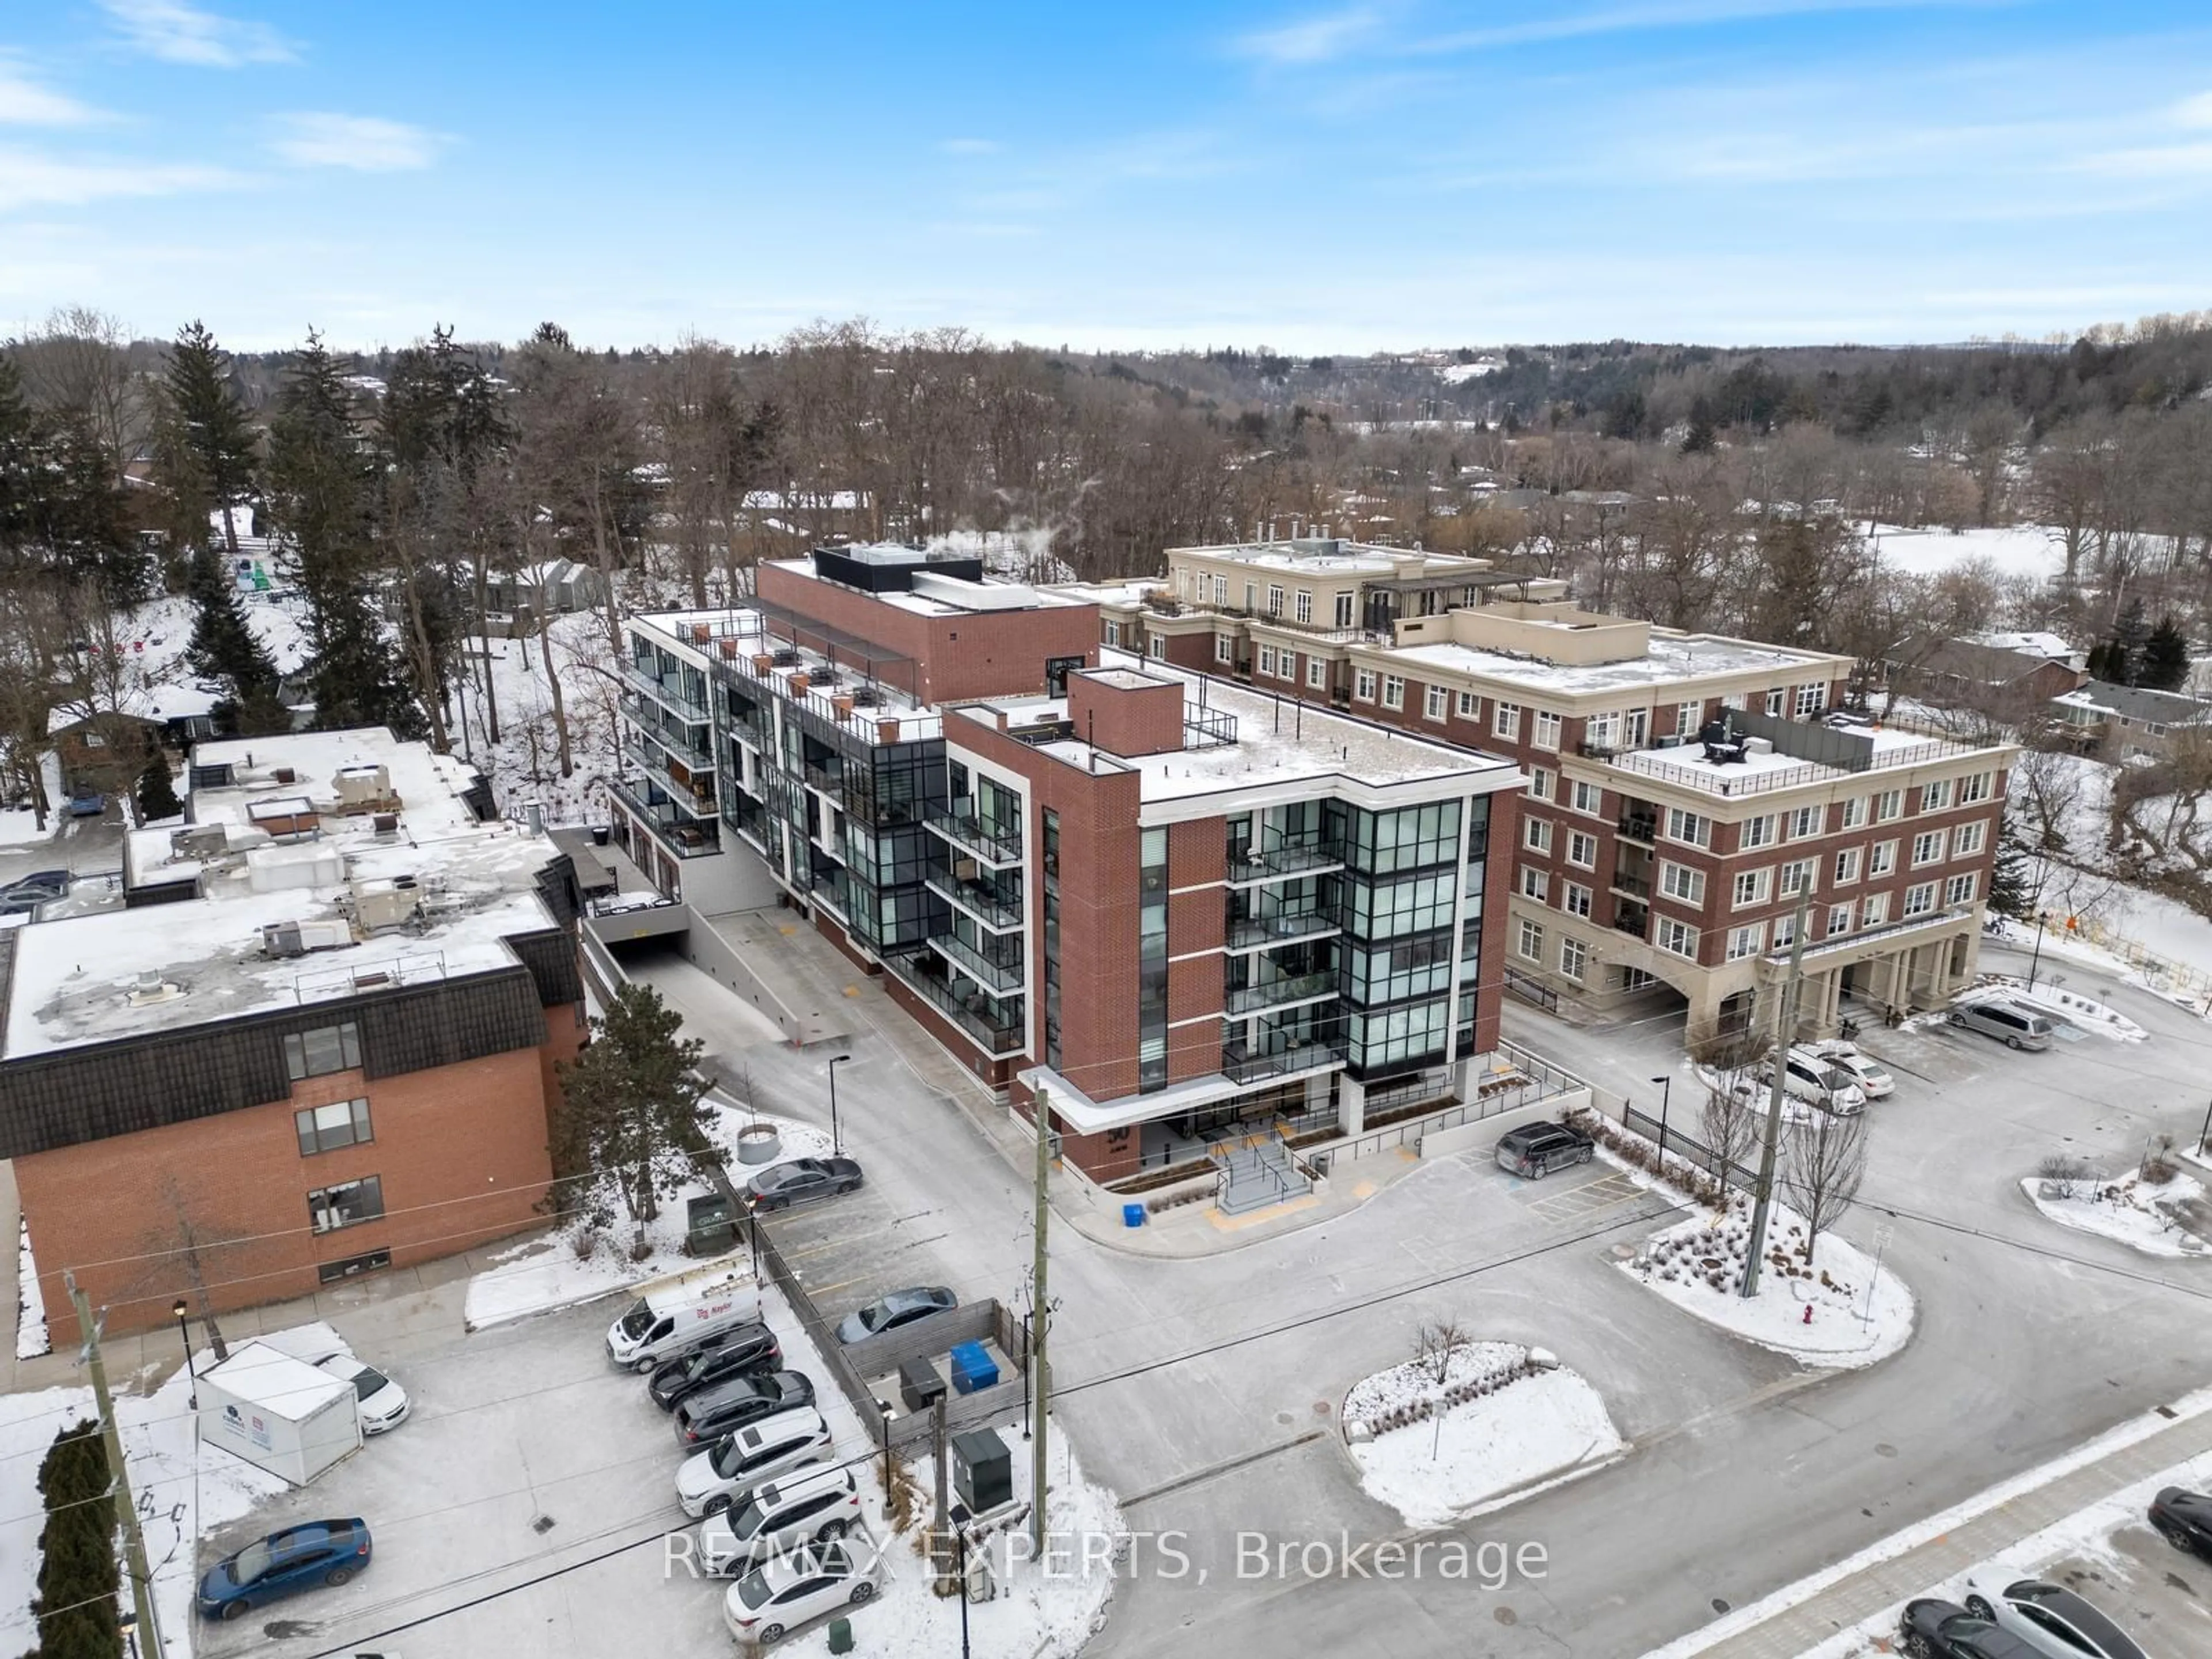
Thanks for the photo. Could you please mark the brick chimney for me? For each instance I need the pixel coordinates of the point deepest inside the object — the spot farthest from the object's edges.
(1125, 712)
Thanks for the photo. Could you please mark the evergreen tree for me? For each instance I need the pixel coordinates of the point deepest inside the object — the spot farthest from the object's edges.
(319, 498)
(2130, 634)
(224, 647)
(79, 1576)
(2165, 666)
(157, 793)
(629, 1106)
(2009, 891)
(203, 445)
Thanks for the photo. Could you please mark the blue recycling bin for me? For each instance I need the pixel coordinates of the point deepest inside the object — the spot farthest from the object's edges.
(972, 1368)
(1132, 1215)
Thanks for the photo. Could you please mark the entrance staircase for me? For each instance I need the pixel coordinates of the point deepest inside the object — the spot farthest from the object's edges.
(1257, 1173)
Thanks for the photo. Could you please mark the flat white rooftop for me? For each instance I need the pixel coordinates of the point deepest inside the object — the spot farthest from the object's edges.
(1672, 659)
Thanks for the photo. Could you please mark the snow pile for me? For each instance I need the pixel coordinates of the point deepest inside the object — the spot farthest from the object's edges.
(1837, 1311)
(549, 1272)
(2145, 1216)
(31, 1337)
(21, 828)
(2083, 1014)
(1497, 1423)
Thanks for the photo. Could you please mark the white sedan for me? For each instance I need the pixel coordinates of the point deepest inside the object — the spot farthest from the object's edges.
(1872, 1079)
(382, 1403)
(769, 1602)
(2049, 1618)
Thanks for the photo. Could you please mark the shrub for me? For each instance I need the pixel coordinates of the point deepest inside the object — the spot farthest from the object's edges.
(585, 1242)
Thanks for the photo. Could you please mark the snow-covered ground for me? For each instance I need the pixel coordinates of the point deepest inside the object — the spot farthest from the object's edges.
(2031, 551)
(524, 764)
(546, 1272)
(21, 828)
(31, 1337)
(2083, 1013)
(2137, 1214)
(1530, 1429)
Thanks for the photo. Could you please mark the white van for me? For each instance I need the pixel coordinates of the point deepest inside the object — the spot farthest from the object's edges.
(683, 1312)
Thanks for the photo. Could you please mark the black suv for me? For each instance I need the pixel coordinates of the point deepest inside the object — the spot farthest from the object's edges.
(710, 1413)
(1535, 1150)
(745, 1351)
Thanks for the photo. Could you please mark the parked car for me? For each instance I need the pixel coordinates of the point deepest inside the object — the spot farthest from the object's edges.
(1535, 1150)
(717, 1413)
(283, 1564)
(1931, 1629)
(746, 1351)
(2010, 1024)
(802, 1181)
(1873, 1079)
(2050, 1618)
(888, 1313)
(681, 1314)
(382, 1403)
(769, 1602)
(716, 1478)
(89, 804)
(1814, 1081)
(2183, 1519)
(816, 1506)
(47, 884)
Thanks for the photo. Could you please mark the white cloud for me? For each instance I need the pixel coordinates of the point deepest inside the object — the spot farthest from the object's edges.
(180, 33)
(2195, 112)
(970, 146)
(1310, 39)
(30, 179)
(365, 144)
(1669, 14)
(25, 103)
(2154, 162)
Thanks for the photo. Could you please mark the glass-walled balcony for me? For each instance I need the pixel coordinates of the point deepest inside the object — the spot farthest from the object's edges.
(685, 831)
(991, 899)
(994, 1023)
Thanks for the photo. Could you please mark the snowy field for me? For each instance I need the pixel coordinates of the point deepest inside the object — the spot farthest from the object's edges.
(1530, 1429)
(2031, 551)
(2136, 1213)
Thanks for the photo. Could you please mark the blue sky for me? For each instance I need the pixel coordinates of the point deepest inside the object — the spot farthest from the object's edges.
(1380, 174)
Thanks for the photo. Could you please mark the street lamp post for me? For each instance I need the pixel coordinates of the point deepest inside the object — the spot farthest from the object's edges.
(2042, 920)
(128, 1624)
(960, 1537)
(836, 1140)
(1665, 1094)
(2205, 1135)
(884, 1406)
(184, 1331)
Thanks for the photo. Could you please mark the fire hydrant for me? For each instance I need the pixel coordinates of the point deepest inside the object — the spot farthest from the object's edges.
(1808, 1312)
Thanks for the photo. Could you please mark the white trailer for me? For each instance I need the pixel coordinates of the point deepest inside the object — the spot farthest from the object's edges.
(279, 1412)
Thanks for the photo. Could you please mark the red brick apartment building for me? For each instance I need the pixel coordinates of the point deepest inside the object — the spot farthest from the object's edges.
(1647, 863)
(315, 1041)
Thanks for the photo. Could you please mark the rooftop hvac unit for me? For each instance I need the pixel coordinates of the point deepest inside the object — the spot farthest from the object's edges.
(387, 825)
(197, 841)
(362, 786)
(381, 904)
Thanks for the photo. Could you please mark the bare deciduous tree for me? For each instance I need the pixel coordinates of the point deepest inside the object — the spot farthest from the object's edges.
(1434, 1344)
(1827, 1161)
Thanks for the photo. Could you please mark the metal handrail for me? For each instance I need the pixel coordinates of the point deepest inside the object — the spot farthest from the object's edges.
(975, 898)
(1265, 932)
(965, 829)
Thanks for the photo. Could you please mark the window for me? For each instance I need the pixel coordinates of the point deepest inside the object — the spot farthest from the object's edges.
(1393, 691)
(325, 1128)
(1840, 919)
(1919, 900)
(1854, 812)
(1883, 859)
(1221, 590)
(1574, 956)
(1505, 719)
(1966, 839)
(1935, 797)
(1797, 878)
(1959, 889)
(1751, 887)
(1745, 941)
(1301, 607)
(1811, 700)
(1774, 702)
(1540, 783)
(1928, 847)
(1344, 611)
(1890, 803)
(1589, 797)
(1847, 867)
(1159, 645)
(332, 1273)
(1224, 650)
(1363, 685)
(1274, 600)
(325, 1050)
(1758, 832)
(1531, 941)
(1317, 673)
(1802, 823)
(1582, 850)
(1677, 937)
(1113, 632)
(1536, 835)
(1267, 660)
(1535, 883)
(1688, 827)
(1786, 930)
(1470, 705)
(1436, 703)
(1602, 731)
(346, 1205)
(1546, 733)
(1875, 911)
(1688, 716)
(1976, 789)
(1679, 881)
(1575, 900)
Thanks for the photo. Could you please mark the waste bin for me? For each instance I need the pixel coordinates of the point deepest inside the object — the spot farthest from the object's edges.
(1132, 1215)
(919, 1386)
(982, 1470)
(710, 1226)
(972, 1368)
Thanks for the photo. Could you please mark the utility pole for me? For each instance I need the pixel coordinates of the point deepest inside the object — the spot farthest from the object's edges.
(126, 1511)
(1040, 1323)
(1786, 1029)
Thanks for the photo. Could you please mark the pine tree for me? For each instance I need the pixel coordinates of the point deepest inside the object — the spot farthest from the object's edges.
(78, 1575)
(203, 445)
(2165, 665)
(224, 647)
(157, 793)
(2130, 634)
(319, 498)
(2009, 891)
(629, 1106)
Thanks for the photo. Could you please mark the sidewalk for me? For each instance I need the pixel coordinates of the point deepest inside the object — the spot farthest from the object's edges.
(1798, 1618)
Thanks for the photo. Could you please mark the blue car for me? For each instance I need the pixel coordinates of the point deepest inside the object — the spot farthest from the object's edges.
(283, 1564)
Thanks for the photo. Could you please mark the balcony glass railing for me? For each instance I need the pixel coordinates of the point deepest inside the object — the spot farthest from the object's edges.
(1261, 932)
(1248, 865)
(999, 976)
(994, 1028)
(1636, 827)
(1244, 1065)
(685, 836)
(671, 691)
(1636, 886)
(988, 905)
(993, 843)
(1274, 993)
